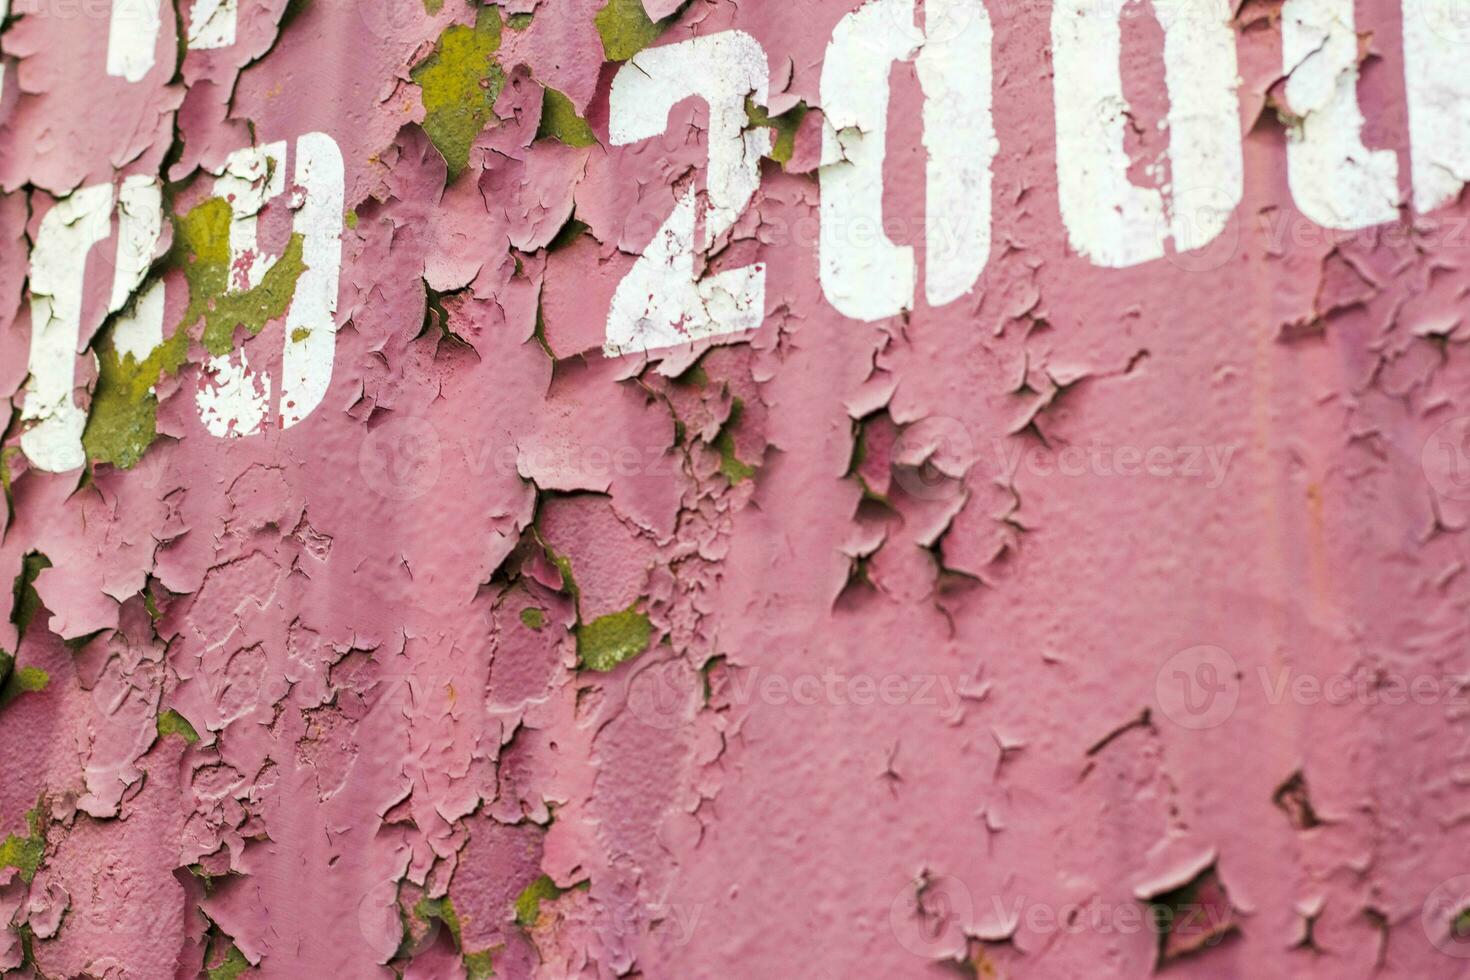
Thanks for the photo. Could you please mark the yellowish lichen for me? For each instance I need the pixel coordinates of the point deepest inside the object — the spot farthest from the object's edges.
(459, 84)
(626, 29)
(170, 722)
(122, 422)
(613, 639)
(559, 121)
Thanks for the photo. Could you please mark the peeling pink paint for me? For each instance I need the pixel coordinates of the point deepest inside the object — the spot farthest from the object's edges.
(1127, 588)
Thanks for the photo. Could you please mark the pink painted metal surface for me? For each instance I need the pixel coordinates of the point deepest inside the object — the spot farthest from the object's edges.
(386, 603)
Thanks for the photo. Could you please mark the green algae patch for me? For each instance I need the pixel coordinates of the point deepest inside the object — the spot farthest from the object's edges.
(25, 853)
(459, 84)
(231, 966)
(123, 421)
(23, 681)
(559, 121)
(568, 581)
(432, 7)
(478, 966)
(26, 601)
(170, 722)
(608, 640)
(569, 233)
(349, 218)
(533, 618)
(734, 468)
(528, 902)
(519, 22)
(441, 909)
(612, 639)
(784, 145)
(202, 251)
(626, 29)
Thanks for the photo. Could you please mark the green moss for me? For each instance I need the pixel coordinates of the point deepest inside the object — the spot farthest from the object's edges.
(559, 121)
(170, 722)
(25, 853)
(568, 581)
(231, 966)
(731, 465)
(253, 308)
(26, 602)
(519, 22)
(569, 233)
(460, 83)
(533, 617)
(478, 966)
(300, 334)
(432, 7)
(786, 125)
(626, 29)
(1460, 924)
(22, 681)
(6, 455)
(693, 376)
(612, 639)
(350, 219)
(122, 423)
(528, 902)
(32, 678)
(441, 909)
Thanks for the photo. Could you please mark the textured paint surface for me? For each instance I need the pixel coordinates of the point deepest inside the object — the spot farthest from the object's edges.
(608, 488)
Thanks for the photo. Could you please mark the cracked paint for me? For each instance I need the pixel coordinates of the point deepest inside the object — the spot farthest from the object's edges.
(680, 488)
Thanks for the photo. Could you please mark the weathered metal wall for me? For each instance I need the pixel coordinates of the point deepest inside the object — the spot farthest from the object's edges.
(733, 489)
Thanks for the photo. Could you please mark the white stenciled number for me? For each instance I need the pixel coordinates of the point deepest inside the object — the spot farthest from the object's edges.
(1335, 180)
(661, 303)
(233, 398)
(864, 274)
(1108, 218)
(132, 32)
(1436, 49)
(58, 265)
